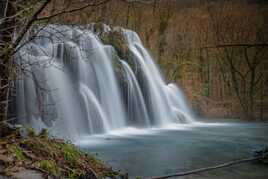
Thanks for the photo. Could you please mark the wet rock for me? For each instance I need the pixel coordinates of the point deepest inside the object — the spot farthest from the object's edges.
(116, 39)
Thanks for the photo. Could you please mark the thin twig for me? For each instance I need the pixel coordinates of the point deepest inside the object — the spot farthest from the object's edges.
(29, 24)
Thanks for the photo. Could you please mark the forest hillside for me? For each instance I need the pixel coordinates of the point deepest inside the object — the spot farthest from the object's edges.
(215, 50)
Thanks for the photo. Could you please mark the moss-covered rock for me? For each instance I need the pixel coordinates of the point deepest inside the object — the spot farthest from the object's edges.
(99, 28)
(116, 39)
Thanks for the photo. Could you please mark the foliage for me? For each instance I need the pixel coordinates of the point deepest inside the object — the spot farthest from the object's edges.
(44, 133)
(18, 152)
(71, 154)
(50, 166)
(30, 131)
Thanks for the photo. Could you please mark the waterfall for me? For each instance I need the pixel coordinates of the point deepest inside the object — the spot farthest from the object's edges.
(75, 84)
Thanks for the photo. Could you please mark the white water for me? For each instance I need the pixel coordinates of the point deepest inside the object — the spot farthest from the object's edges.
(79, 86)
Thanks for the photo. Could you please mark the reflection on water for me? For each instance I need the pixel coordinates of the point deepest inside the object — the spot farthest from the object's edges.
(179, 148)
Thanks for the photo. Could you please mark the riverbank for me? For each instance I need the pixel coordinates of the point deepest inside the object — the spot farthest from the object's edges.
(25, 154)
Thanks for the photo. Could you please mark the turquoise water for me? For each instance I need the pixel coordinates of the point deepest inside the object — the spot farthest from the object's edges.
(154, 152)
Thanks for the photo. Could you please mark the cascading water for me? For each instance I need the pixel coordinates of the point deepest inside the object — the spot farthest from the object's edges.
(77, 86)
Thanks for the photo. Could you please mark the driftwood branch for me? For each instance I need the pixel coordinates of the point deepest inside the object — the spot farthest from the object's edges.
(210, 168)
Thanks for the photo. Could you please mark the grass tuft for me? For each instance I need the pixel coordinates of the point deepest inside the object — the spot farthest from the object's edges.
(17, 151)
(71, 154)
(50, 166)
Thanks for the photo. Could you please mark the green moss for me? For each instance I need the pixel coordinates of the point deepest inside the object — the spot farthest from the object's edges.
(73, 175)
(98, 28)
(71, 154)
(44, 133)
(114, 174)
(76, 174)
(31, 132)
(50, 166)
(17, 151)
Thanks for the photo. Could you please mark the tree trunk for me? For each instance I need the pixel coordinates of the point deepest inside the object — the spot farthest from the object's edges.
(7, 29)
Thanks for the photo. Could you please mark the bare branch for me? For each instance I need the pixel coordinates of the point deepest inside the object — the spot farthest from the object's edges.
(30, 22)
(72, 10)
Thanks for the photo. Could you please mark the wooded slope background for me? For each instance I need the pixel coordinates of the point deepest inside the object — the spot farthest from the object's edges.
(215, 50)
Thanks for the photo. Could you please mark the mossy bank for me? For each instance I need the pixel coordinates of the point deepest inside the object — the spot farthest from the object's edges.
(39, 156)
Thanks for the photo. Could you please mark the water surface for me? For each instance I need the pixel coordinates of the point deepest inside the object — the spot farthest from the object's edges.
(180, 148)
